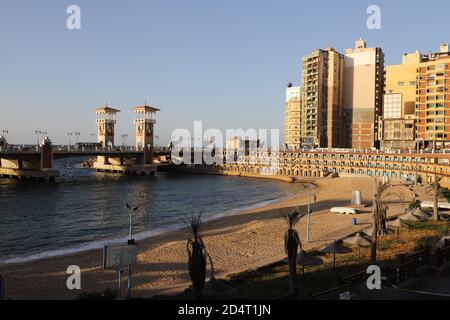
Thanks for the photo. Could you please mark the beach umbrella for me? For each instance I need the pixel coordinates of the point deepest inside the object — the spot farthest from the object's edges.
(397, 223)
(368, 231)
(410, 217)
(335, 247)
(307, 260)
(419, 213)
(358, 241)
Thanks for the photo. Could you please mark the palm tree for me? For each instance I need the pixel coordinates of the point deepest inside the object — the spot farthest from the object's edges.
(379, 217)
(437, 193)
(197, 257)
(291, 246)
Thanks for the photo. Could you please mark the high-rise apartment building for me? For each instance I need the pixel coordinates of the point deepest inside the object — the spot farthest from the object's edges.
(322, 99)
(418, 89)
(292, 123)
(363, 96)
(401, 80)
(399, 103)
(433, 100)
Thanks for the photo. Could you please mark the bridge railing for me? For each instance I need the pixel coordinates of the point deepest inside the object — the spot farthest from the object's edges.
(20, 148)
(75, 149)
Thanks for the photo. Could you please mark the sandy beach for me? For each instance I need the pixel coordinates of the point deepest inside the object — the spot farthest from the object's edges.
(236, 243)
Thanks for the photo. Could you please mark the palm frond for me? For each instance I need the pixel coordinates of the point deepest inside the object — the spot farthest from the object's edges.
(292, 219)
(194, 225)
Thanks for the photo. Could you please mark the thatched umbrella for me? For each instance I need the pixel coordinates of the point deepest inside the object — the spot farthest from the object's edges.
(307, 260)
(358, 241)
(410, 217)
(419, 213)
(369, 231)
(335, 247)
(397, 223)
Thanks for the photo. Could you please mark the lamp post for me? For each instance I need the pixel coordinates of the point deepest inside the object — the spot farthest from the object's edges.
(308, 225)
(131, 210)
(4, 133)
(124, 138)
(69, 134)
(77, 134)
(93, 135)
(38, 135)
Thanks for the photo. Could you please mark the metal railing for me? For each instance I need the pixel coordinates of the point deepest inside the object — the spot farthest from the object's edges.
(75, 149)
(443, 255)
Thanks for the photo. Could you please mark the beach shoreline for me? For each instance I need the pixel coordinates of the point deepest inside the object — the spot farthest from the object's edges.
(148, 234)
(237, 243)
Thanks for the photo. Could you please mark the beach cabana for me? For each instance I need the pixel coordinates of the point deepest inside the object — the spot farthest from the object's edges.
(336, 247)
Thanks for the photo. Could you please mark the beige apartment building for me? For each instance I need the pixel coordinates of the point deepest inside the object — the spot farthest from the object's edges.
(399, 103)
(418, 89)
(363, 96)
(292, 123)
(401, 79)
(322, 99)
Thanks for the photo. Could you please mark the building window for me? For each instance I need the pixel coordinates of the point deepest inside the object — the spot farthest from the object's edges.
(392, 106)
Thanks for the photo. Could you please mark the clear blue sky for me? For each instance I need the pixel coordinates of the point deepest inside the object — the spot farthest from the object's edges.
(224, 62)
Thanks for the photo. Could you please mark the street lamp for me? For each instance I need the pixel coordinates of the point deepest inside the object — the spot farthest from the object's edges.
(131, 241)
(124, 138)
(308, 224)
(77, 134)
(4, 133)
(131, 210)
(69, 134)
(38, 135)
(93, 135)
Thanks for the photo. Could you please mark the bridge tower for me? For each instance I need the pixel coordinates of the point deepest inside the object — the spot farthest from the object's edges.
(145, 123)
(106, 120)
